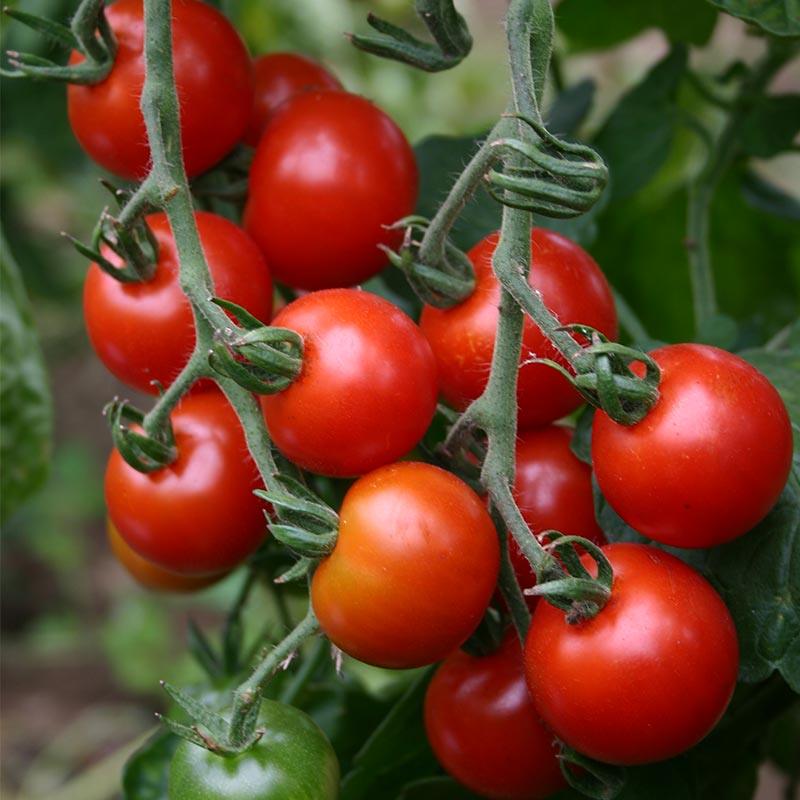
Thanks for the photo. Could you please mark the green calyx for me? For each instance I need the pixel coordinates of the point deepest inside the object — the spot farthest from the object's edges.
(549, 176)
(452, 39)
(442, 285)
(260, 358)
(301, 520)
(89, 34)
(145, 452)
(565, 583)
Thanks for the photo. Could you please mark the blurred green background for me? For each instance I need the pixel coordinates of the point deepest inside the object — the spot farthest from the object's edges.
(83, 646)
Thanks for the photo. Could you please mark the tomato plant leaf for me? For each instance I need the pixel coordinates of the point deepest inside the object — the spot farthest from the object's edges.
(771, 125)
(765, 196)
(570, 108)
(380, 763)
(597, 24)
(758, 576)
(635, 140)
(146, 772)
(778, 17)
(581, 444)
(782, 367)
(437, 787)
(25, 404)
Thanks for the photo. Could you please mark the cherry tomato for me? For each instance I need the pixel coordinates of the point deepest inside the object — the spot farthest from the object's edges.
(484, 730)
(213, 74)
(367, 390)
(144, 332)
(413, 569)
(572, 287)
(151, 576)
(198, 515)
(330, 172)
(649, 676)
(278, 77)
(553, 490)
(709, 460)
(293, 760)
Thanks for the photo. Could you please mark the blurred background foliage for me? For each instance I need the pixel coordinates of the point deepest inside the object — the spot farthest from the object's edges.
(84, 647)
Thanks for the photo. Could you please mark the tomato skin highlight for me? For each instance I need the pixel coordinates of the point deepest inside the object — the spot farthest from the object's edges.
(293, 760)
(553, 490)
(330, 172)
(649, 676)
(213, 74)
(198, 515)
(279, 77)
(367, 390)
(151, 576)
(484, 730)
(144, 332)
(413, 569)
(572, 287)
(710, 458)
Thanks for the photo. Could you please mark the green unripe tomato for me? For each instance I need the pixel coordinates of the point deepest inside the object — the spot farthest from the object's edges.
(293, 760)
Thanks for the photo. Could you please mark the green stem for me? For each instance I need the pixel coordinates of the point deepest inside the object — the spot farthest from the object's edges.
(628, 319)
(303, 675)
(249, 693)
(194, 369)
(702, 189)
(432, 247)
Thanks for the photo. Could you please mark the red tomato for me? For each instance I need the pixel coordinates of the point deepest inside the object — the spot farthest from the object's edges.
(330, 172)
(483, 728)
(709, 460)
(215, 91)
(198, 515)
(367, 390)
(413, 569)
(573, 288)
(279, 76)
(144, 332)
(151, 576)
(649, 676)
(553, 490)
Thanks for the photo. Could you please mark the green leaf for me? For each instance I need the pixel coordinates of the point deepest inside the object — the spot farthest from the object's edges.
(581, 444)
(778, 17)
(381, 762)
(570, 108)
(765, 196)
(598, 24)
(771, 125)
(438, 787)
(636, 138)
(758, 576)
(26, 416)
(782, 367)
(146, 772)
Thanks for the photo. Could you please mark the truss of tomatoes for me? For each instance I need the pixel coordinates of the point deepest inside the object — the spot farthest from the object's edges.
(417, 557)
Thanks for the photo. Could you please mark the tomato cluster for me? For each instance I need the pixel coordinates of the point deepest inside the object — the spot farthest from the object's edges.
(417, 557)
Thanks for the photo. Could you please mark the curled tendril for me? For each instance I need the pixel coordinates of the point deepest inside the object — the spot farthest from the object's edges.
(259, 357)
(452, 39)
(89, 34)
(143, 451)
(558, 179)
(443, 285)
(569, 586)
(301, 521)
